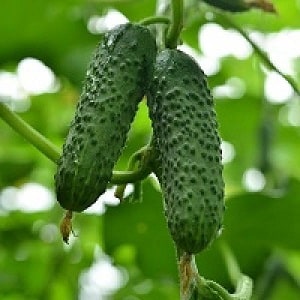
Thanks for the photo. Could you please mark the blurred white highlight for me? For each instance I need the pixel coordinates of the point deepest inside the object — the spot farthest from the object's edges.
(31, 197)
(218, 42)
(100, 24)
(35, 77)
(101, 279)
(254, 180)
(228, 152)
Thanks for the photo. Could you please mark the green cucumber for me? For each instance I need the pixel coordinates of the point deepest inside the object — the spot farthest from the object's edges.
(116, 81)
(187, 144)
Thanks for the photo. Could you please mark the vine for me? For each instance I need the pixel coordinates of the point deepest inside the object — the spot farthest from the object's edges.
(155, 20)
(29, 133)
(176, 24)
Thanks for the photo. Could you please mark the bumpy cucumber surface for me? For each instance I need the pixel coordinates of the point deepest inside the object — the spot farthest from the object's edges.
(187, 144)
(116, 80)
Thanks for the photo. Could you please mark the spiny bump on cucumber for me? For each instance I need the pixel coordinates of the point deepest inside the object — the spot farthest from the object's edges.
(116, 81)
(187, 143)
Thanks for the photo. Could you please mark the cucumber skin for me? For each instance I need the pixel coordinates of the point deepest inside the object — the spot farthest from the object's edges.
(115, 83)
(187, 144)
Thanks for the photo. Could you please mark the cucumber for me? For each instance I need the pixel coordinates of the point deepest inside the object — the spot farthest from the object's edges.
(187, 145)
(116, 81)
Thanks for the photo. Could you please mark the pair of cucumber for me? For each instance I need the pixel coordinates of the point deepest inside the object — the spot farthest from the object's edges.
(125, 67)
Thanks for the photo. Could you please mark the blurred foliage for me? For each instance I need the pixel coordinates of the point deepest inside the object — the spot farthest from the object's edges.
(261, 227)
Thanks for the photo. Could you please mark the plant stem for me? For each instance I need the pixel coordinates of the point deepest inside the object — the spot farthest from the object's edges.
(176, 24)
(262, 54)
(155, 20)
(244, 288)
(209, 288)
(188, 274)
(193, 286)
(29, 133)
(242, 282)
(52, 152)
(139, 158)
(219, 291)
(231, 264)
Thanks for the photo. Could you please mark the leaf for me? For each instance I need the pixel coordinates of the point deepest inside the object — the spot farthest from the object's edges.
(143, 227)
(14, 171)
(256, 223)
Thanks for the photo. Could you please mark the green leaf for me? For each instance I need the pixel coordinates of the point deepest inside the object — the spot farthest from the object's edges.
(255, 223)
(143, 227)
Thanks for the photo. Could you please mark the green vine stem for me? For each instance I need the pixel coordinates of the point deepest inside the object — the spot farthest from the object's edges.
(133, 160)
(209, 289)
(176, 24)
(123, 177)
(244, 288)
(262, 54)
(233, 268)
(52, 152)
(155, 20)
(242, 282)
(29, 133)
(139, 160)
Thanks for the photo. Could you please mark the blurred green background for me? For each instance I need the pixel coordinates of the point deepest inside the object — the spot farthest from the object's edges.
(124, 251)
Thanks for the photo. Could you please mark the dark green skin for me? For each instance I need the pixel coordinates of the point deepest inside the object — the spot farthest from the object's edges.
(116, 81)
(187, 145)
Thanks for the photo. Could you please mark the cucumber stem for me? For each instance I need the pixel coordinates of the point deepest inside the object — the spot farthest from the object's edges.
(176, 24)
(188, 274)
(133, 161)
(195, 287)
(145, 169)
(154, 20)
